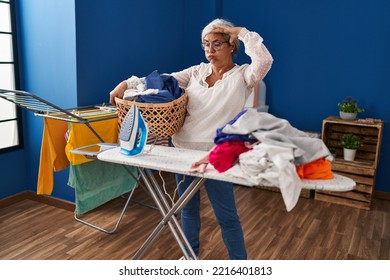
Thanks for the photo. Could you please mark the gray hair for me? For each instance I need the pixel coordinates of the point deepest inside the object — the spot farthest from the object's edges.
(209, 27)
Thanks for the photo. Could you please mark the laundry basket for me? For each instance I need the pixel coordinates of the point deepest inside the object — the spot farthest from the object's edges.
(163, 119)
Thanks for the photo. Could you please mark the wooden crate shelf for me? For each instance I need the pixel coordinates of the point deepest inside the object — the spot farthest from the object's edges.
(305, 193)
(363, 169)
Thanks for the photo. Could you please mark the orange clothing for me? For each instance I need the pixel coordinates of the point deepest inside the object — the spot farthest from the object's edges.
(55, 151)
(80, 135)
(318, 169)
(53, 155)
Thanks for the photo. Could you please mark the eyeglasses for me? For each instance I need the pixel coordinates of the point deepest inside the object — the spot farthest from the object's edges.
(217, 45)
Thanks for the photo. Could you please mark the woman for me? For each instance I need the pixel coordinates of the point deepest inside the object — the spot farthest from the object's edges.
(217, 92)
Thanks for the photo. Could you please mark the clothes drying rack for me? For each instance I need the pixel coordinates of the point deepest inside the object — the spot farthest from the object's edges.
(81, 115)
(41, 107)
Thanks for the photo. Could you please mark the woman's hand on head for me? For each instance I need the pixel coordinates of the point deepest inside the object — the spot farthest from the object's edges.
(118, 91)
(231, 31)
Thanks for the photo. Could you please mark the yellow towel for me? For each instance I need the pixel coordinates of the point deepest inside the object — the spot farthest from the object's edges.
(80, 135)
(53, 155)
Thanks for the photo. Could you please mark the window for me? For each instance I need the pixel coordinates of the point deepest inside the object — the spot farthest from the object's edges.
(9, 113)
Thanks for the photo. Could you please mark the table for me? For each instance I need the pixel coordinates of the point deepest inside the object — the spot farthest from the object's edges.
(177, 160)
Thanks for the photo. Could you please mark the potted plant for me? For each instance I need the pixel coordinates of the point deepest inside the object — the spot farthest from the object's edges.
(350, 143)
(349, 108)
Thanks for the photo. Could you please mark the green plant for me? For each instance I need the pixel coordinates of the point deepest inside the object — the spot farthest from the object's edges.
(350, 141)
(333, 151)
(349, 105)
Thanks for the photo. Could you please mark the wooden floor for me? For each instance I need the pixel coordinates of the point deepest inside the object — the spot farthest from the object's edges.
(313, 230)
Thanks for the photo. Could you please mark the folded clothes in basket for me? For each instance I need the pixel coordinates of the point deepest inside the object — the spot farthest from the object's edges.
(167, 86)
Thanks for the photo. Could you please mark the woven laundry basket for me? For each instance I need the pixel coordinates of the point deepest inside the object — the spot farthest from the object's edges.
(163, 119)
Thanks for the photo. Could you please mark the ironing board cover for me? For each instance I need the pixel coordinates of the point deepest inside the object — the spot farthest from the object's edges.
(177, 160)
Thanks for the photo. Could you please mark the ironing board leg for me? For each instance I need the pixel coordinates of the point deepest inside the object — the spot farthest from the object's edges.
(137, 179)
(148, 178)
(168, 216)
(167, 208)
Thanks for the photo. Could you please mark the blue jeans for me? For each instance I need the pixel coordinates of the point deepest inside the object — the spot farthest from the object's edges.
(222, 199)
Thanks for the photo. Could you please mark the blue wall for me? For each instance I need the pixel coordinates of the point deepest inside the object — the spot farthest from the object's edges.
(117, 39)
(325, 51)
(13, 172)
(48, 69)
(75, 52)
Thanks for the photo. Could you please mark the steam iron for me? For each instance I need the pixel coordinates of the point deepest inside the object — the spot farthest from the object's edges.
(133, 133)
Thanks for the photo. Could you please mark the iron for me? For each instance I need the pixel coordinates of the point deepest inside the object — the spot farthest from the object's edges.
(134, 133)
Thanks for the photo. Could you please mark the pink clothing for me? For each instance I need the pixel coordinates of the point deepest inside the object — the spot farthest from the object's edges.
(225, 155)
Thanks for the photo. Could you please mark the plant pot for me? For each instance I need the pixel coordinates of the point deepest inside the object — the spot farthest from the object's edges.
(348, 116)
(349, 154)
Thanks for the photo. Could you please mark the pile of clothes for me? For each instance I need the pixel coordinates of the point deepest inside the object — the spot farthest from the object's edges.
(263, 149)
(154, 88)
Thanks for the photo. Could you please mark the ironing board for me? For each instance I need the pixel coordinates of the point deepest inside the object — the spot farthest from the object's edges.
(81, 115)
(177, 160)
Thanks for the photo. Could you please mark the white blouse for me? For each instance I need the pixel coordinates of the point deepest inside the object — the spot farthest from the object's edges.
(210, 108)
